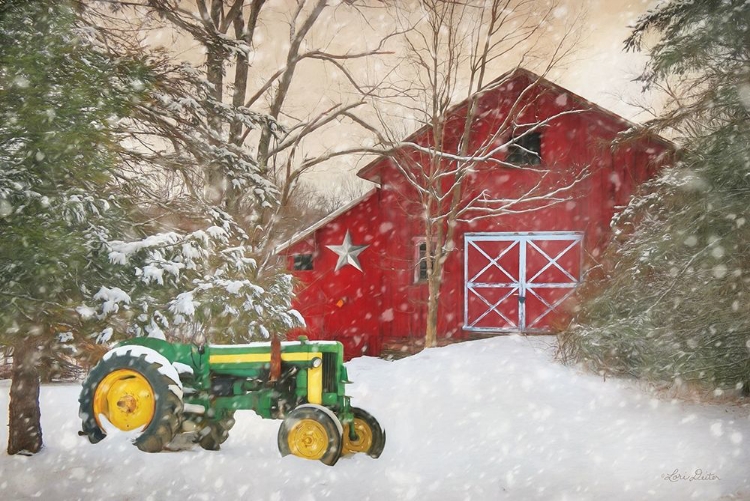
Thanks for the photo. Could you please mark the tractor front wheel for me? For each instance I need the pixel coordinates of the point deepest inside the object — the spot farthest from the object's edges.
(370, 436)
(311, 432)
(132, 388)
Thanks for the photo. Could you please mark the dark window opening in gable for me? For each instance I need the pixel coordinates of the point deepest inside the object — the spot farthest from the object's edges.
(303, 262)
(526, 150)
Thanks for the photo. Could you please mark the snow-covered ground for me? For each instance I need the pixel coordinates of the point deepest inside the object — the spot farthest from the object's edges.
(487, 420)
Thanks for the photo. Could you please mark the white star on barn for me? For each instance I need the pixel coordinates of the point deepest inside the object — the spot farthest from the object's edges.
(348, 253)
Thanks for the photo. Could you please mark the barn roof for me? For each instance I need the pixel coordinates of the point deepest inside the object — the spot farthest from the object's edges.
(301, 235)
(518, 72)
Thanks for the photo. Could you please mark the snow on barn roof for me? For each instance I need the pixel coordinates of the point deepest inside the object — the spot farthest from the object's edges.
(301, 235)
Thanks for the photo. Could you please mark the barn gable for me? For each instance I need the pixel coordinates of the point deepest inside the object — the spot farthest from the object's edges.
(360, 269)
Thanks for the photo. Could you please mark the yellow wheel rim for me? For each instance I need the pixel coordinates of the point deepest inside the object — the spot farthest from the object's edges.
(308, 439)
(364, 438)
(126, 399)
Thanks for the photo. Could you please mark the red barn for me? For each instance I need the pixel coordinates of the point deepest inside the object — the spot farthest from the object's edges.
(361, 269)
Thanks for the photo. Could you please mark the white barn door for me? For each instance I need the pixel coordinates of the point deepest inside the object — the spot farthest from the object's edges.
(515, 281)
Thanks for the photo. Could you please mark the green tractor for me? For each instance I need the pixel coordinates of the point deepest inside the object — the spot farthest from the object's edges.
(183, 392)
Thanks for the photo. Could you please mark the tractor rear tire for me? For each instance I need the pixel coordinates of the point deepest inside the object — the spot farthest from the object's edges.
(217, 434)
(311, 432)
(131, 391)
(370, 435)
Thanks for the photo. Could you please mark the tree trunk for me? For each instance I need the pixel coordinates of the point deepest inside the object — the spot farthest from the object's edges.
(216, 179)
(24, 416)
(430, 338)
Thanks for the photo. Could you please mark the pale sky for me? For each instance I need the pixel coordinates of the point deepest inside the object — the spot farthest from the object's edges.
(602, 71)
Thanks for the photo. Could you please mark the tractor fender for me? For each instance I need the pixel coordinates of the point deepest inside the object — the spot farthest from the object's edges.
(151, 356)
(165, 349)
(330, 414)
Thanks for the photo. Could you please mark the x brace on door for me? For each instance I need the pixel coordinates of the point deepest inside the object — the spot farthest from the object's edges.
(504, 270)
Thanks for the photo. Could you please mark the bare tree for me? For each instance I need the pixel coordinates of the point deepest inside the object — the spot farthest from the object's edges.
(449, 57)
(233, 131)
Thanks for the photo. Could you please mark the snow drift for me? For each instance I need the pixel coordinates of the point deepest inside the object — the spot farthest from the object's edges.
(486, 420)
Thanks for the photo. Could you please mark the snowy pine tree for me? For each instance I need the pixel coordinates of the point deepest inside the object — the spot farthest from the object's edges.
(58, 99)
(198, 286)
(193, 265)
(671, 302)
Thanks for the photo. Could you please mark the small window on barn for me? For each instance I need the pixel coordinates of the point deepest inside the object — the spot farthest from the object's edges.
(303, 262)
(420, 273)
(526, 149)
